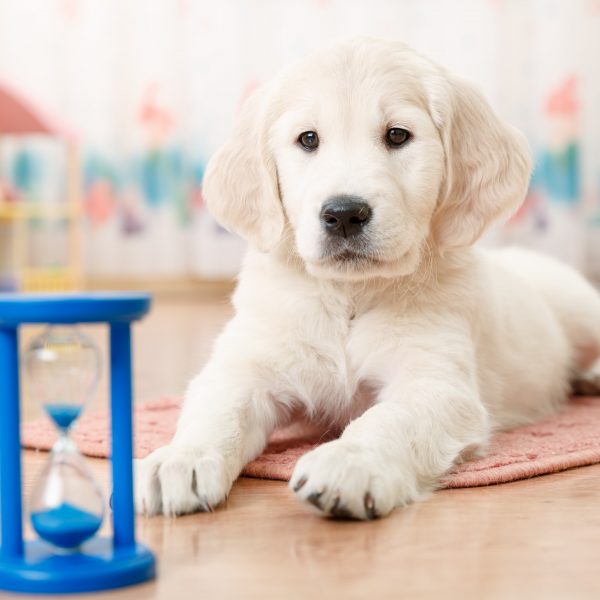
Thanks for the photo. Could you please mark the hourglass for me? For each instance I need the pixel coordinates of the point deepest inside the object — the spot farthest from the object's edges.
(62, 367)
(66, 506)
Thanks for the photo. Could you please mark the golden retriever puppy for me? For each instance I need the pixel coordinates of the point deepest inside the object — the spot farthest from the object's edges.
(361, 178)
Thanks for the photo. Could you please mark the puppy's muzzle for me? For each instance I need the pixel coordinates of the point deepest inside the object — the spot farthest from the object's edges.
(345, 216)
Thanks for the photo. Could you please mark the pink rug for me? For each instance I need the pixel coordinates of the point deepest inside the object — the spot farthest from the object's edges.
(570, 439)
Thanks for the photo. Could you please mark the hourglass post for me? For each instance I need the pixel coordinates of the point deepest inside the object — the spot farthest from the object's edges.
(68, 555)
(122, 434)
(10, 446)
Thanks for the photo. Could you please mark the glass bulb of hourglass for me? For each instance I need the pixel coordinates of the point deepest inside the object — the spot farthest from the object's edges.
(62, 368)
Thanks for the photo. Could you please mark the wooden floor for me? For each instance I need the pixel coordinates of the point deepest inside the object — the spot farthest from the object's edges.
(536, 539)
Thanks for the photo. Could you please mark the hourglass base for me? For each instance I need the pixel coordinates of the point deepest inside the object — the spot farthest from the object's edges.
(96, 566)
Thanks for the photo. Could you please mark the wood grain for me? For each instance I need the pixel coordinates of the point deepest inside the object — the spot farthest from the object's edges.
(533, 539)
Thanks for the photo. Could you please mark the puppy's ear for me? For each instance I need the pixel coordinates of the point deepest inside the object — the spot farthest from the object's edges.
(487, 163)
(240, 186)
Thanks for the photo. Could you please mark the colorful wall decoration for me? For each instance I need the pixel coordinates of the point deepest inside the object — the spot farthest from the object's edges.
(152, 88)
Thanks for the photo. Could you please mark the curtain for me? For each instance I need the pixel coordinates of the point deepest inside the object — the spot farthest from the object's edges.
(152, 87)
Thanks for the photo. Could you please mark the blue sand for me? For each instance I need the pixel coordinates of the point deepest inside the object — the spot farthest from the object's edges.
(63, 414)
(66, 525)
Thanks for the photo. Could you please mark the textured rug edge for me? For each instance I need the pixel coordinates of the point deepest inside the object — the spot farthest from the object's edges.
(278, 465)
(522, 470)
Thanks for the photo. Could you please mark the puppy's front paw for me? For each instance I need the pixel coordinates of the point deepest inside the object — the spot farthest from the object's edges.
(177, 480)
(348, 480)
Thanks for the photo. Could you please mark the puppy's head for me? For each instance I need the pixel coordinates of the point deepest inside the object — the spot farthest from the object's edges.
(366, 155)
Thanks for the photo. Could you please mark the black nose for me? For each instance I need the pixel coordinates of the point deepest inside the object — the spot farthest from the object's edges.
(345, 215)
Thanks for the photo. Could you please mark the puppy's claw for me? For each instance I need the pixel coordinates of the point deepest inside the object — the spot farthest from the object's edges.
(369, 503)
(195, 484)
(300, 484)
(339, 511)
(314, 499)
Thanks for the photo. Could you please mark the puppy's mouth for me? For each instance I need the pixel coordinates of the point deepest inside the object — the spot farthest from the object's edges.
(351, 257)
(359, 259)
(348, 252)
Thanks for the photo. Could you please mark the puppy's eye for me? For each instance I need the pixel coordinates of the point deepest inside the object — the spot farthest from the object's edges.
(309, 140)
(396, 137)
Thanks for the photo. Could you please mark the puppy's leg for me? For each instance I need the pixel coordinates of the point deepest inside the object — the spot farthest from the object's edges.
(226, 420)
(398, 449)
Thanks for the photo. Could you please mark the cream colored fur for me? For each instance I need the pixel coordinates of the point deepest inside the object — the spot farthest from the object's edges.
(421, 349)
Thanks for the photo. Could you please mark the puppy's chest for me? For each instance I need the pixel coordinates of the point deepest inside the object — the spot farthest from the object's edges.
(334, 351)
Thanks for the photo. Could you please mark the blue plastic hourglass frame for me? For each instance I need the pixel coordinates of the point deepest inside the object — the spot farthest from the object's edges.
(102, 563)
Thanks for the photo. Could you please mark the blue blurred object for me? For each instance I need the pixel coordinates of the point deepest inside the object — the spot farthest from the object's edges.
(100, 563)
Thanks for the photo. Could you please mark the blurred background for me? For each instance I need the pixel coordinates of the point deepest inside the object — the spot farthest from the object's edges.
(110, 109)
